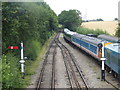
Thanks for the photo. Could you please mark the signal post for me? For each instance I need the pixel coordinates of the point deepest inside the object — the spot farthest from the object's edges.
(22, 61)
(103, 64)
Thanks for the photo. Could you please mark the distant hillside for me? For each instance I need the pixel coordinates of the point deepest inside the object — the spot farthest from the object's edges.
(109, 26)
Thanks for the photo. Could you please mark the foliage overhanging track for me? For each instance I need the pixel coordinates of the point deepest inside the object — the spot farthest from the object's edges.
(71, 73)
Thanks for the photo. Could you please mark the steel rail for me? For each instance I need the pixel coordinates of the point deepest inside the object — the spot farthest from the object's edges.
(117, 88)
(38, 83)
(71, 74)
(53, 70)
(67, 70)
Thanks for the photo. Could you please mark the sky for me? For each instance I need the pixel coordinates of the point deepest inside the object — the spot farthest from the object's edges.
(90, 9)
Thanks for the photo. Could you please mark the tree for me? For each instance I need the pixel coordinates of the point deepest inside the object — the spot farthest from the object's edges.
(117, 33)
(70, 19)
(99, 19)
(116, 19)
(27, 21)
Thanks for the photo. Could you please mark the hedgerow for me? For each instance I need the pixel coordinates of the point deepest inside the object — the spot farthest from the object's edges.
(82, 30)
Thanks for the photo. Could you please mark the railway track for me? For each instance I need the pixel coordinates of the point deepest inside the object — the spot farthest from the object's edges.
(44, 66)
(75, 76)
(117, 88)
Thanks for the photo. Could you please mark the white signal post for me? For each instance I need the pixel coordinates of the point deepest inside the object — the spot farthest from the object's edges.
(103, 63)
(22, 61)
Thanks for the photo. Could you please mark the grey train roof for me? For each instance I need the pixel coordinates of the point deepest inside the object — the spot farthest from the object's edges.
(79, 35)
(88, 39)
(110, 38)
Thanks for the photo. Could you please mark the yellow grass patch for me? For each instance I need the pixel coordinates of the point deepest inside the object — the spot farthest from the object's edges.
(109, 26)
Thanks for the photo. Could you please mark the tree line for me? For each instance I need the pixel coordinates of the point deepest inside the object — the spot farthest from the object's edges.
(30, 23)
(27, 21)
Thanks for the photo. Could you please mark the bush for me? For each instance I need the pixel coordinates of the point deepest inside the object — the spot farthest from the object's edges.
(118, 31)
(11, 77)
(32, 49)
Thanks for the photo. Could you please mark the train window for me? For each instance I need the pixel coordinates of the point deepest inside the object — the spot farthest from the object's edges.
(93, 49)
(74, 39)
(86, 45)
(79, 41)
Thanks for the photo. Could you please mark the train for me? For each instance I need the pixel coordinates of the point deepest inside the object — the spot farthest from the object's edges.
(92, 46)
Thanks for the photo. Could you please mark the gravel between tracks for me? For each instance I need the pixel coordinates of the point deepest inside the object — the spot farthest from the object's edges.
(61, 76)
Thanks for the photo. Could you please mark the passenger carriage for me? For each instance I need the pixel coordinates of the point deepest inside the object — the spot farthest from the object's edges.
(88, 44)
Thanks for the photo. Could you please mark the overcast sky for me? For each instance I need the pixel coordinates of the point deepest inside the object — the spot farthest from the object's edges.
(90, 9)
